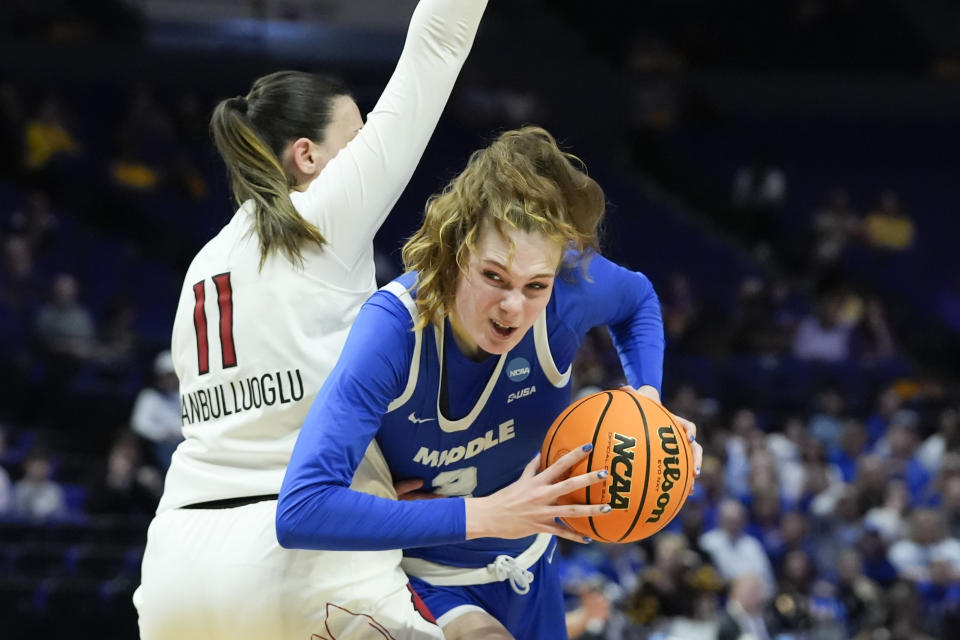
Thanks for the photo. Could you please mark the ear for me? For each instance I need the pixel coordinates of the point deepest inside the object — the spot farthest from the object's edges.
(304, 156)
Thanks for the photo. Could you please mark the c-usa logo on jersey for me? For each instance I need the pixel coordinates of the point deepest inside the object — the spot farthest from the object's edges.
(518, 369)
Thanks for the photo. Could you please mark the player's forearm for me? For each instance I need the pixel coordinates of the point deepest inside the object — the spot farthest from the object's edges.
(379, 163)
(639, 339)
(340, 519)
(627, 303)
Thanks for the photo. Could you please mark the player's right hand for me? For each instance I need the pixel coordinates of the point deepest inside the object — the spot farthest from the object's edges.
(529, 505)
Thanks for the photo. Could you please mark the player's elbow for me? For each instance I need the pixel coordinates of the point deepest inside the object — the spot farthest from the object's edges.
(287, 523)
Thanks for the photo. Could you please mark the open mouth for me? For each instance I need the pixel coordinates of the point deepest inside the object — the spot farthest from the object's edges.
(502, 329)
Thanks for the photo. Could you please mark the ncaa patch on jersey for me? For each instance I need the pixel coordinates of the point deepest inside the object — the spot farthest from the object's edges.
(518, 369)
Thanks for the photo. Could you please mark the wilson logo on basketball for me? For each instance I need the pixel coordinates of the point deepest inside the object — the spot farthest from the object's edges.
(671, 469)
(621, 471)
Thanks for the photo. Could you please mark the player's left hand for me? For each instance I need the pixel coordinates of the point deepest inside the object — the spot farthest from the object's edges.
(407, 490)
(688, 426)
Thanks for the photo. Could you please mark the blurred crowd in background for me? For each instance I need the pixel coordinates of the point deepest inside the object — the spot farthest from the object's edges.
(810, 296)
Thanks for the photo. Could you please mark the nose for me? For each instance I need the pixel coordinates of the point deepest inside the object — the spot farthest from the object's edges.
(511, 303)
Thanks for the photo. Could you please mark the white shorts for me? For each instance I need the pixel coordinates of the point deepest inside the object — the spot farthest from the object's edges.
(219, 574)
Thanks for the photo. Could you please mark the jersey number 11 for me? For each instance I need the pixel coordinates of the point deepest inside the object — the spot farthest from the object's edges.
(225, 304)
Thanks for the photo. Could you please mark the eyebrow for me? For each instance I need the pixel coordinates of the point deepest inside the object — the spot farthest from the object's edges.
(504, 268)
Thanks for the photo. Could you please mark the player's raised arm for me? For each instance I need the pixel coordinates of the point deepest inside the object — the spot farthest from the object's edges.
(356, 190)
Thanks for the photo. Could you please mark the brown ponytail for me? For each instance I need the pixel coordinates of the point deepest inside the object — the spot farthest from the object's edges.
(286, 105)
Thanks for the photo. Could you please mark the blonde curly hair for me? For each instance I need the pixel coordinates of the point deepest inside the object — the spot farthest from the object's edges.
(523, 182)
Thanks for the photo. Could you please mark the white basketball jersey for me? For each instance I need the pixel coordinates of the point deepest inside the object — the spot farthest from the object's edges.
(252, 348)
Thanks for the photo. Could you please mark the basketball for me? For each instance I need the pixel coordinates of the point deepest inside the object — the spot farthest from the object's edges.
(646, 452)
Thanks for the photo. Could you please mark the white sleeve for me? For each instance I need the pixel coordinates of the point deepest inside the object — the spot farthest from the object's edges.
(353, 194)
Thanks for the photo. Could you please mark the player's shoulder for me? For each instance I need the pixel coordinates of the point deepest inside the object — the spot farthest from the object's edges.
(397, 298)
(217, 251)
(575, 271)
(585, 269)
(402, 291)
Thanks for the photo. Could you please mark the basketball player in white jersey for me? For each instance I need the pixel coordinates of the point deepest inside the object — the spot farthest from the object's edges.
(263, 314)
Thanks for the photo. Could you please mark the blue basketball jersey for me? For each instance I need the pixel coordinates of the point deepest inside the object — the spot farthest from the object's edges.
(469, 428)
(464, 427)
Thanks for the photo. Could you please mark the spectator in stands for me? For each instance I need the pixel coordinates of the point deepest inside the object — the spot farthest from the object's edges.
(763, 467)
(876, 564)
(760, 185)
(34, 221)
(946, 438)
(156, 411)
(823, 336)
(743, 427)
(940, 594)
(764, 524)
(795, 536)
(118, 340)
(663, 591)
(47, 136)
(890, 518)
(128, 486)
(792, 602)
(904, 613)
(733, 551)
(680, 309)
(130, 171)
(888, 228)
(19, 280)
(888, 403)
(37, 496)
(787, 447)
(899, 450)
(927, 544)
(65, 332)
(861, 597)
(850, 445)
(949, 468)
(700, 511)
(871, 482)
(590, 616)
(146, 143)
(757, 329)
(687, 401)
(834, 226)
(874, 336)
(951, 505)
(828, 420)
(822, 481)
(759, 192)
(746, 615)
(837, 527)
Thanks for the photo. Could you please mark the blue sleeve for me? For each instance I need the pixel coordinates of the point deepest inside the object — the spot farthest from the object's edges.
(627, 304)
(317, 509)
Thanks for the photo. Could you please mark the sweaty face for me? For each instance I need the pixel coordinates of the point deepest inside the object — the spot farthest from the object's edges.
(503, 290)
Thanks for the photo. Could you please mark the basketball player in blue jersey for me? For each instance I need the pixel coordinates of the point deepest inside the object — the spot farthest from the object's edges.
(456, 370)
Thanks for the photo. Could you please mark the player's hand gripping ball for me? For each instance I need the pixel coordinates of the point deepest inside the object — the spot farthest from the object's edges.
(646, 452)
